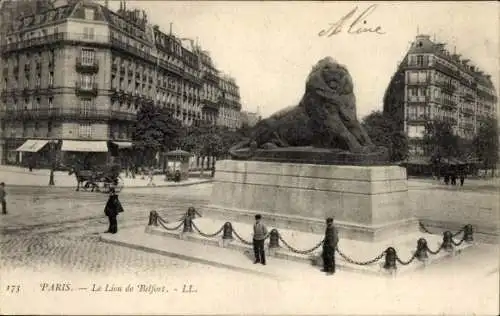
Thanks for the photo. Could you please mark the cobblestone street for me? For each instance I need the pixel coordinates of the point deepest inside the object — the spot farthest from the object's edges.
(49, 227)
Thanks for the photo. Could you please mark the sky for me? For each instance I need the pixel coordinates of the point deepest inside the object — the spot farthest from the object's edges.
(270, 47)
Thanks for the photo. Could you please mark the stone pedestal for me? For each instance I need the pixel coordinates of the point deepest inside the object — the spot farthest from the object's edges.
(367, 202)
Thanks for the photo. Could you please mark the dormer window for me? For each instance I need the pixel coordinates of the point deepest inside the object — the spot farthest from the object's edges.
(89, 14)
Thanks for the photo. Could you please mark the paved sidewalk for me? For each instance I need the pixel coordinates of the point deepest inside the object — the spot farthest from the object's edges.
(16, 176)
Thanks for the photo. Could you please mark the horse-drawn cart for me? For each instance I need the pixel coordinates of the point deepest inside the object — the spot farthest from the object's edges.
(92, 181)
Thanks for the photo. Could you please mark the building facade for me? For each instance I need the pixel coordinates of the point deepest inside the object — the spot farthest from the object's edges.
(250, 118)
(75, 76)
(432, 83)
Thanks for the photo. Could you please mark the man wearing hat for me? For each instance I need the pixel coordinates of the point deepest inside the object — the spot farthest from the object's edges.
(113, 207)
(329, 246)
(259, 236)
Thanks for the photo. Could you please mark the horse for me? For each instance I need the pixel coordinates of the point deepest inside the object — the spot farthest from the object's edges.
(86, 176)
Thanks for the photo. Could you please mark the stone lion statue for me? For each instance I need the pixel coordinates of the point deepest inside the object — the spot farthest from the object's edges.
(324, 118)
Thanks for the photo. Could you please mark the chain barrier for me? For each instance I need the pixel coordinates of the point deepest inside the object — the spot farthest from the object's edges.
(405, 263)
(421, 244)
(162, 222)
(241, 238)
(207, 235)
(429, 232)
(435, 252)
(360, 263)
(302, 252)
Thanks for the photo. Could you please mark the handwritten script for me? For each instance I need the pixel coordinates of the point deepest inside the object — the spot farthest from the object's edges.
(358, 24)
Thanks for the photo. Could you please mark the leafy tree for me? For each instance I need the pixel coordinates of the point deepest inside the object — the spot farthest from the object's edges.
(155, 130)
(440, 141)
(383, 131)
(486, 143)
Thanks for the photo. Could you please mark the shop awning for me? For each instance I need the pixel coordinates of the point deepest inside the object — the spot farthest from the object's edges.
(178, 153)
(84, 146)
(32, 145)
(122, 145)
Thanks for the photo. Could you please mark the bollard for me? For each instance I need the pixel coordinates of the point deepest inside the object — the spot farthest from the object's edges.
(468, 233)
(153, 218)
(188, 225)
(390, 259)
(191, 212)
(447, 241)
(421, 252)
(227, 232)
(274, 238)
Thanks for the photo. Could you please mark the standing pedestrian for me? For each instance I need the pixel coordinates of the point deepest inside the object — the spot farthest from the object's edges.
(462, 179)
(329, 246)
(112, 209)
(3, 194)
(259, 236)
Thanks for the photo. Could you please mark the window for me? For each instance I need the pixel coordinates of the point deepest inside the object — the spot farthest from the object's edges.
(38, 81)
(51, 79)
(85, 130)
(5, 83)
(86, 81)
(88, 33)
(85, 106)
(88, 56)
(51, 102)
(37, 104)
(89, 14)
(26, 104)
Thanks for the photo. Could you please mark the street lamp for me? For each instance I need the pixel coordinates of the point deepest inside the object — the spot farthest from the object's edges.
(52, 162)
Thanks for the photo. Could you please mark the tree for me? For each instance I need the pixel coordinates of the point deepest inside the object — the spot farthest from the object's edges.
(486, 143)
(383, 130)
(155, 130)
(440, 141)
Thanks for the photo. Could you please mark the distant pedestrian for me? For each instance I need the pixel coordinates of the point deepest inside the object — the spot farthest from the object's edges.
(3, 194)
(446, 179)
(453, 178)
(329, 246)
(462, 179)
(112, 209)
(259, 236)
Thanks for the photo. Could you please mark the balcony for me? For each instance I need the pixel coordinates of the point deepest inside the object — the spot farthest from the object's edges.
(127, 48)
(446, 87)
(85, 67)
(469, 97)
(114, 67)
(418, 83)
(416, 66)
(27, 68)
(211, 77)
(123, 116)
(468, 111)
(449, 104)
(171, 68)
(447, 71)
(34, 42)
(86, 90)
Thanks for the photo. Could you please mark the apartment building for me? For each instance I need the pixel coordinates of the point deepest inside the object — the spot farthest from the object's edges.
(433, 83)
(74, 77)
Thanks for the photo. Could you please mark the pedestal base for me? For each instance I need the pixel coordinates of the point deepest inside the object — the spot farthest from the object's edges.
(368, 203)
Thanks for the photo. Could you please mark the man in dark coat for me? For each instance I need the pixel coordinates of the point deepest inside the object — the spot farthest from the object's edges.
(329, 246)
(112, 209)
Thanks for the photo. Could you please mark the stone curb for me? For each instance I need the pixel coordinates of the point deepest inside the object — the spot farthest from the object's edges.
(309, 259)
(172, 254)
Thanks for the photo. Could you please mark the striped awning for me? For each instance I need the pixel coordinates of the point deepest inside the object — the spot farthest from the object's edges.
(84, 146)
(32, 145)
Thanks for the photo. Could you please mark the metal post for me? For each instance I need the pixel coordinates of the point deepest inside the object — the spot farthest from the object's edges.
(447, 241)
(390, 259)
(227, 232)
(274, 239)
(52, 163)
(468, 233)
(421, 252)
